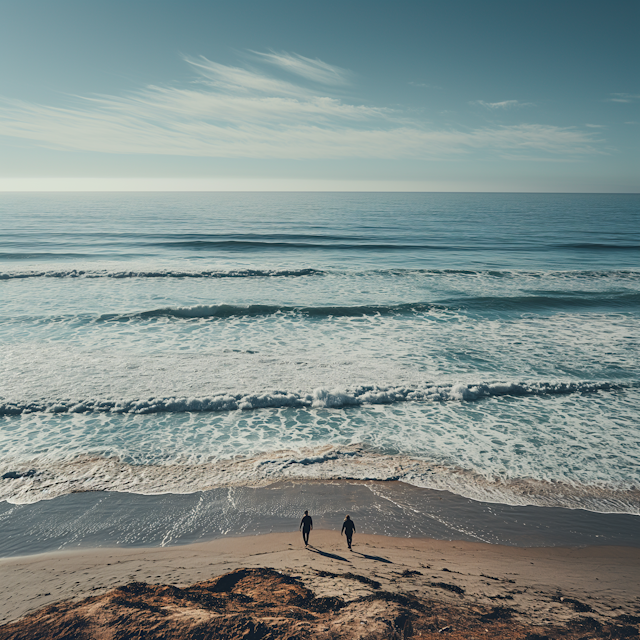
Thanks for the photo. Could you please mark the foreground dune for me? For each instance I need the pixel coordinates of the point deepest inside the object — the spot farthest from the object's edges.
(272, 587)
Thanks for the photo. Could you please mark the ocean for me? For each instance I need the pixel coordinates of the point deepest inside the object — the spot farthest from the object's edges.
(486, 346)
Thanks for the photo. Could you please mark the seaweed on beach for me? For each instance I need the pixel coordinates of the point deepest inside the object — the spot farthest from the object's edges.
(580, 607)
(498, 613)
(448, 587)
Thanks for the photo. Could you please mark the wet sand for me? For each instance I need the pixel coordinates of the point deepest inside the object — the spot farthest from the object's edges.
(111, 519)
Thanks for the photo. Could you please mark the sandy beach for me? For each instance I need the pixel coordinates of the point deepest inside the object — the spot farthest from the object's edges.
(540, 587)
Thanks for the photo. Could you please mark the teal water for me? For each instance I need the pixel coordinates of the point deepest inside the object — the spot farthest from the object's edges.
(487, 344)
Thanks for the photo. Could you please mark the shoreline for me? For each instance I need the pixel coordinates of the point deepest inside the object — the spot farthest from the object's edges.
(527, 580)
(395, 509)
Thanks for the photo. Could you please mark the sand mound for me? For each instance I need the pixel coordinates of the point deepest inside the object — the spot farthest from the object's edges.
(264, 604)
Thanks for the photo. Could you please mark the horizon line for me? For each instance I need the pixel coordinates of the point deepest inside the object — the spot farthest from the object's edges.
(595, 193)
(303, 185)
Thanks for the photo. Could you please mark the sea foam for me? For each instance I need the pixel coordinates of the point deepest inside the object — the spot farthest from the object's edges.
(318, 398)
(91, 473)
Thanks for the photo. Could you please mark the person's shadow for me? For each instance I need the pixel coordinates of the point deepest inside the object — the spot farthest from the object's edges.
(376, 558)
(326, 555)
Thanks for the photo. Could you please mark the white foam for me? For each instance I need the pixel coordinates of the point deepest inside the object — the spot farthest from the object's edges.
(158, 273)
(318, 398)
(85, 473)
(588, 441)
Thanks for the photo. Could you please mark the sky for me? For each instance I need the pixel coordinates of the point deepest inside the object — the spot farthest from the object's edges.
(452, 95)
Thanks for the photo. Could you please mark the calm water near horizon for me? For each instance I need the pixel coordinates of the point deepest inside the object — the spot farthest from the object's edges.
(486, 344)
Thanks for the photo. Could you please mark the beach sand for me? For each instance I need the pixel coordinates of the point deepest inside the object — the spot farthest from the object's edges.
(540, 587)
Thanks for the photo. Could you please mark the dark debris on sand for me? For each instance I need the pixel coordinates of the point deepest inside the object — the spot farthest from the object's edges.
(264, 604)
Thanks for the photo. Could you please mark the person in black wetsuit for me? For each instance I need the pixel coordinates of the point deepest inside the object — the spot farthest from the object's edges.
(306, 524)
(348, 527)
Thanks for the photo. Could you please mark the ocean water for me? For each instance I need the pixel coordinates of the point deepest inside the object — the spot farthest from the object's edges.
(486, 344)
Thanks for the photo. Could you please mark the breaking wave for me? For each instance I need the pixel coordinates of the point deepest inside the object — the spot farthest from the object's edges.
(292, 273)
(318, 399)
(213, 273)
(231, 311)
(480, 303)
(356, 462)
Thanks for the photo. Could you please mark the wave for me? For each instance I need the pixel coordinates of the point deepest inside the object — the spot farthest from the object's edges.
(511, 273)
(302, 243)
(551, 301)
(50, 479)
(231, 311)
(318, 399)
(42, 255)
(557, 302)
(295, 245)
(348, 243)
(234, 273)
(602, 246)
(292, 273)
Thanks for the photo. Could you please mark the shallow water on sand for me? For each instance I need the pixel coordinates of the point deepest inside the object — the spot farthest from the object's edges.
(109, 519)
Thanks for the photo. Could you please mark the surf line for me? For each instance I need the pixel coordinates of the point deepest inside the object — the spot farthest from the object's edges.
(319, 398)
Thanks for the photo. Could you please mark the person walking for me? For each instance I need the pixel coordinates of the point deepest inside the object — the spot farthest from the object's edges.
(348, 528)
(306, 524)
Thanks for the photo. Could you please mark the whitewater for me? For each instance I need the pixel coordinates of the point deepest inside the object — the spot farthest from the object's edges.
(483, 344)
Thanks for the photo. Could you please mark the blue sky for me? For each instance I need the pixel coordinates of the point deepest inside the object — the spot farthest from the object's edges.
(444, 96)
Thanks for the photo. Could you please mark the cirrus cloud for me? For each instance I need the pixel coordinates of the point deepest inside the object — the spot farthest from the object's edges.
(245, 112)
(623, 97)
(315, 70)
(505, 104)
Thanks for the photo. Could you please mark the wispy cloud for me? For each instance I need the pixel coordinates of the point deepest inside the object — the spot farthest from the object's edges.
(244, 112)
(425, 85)
(595, 126)
(314, 70)
(622, 97)
(505, 104)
